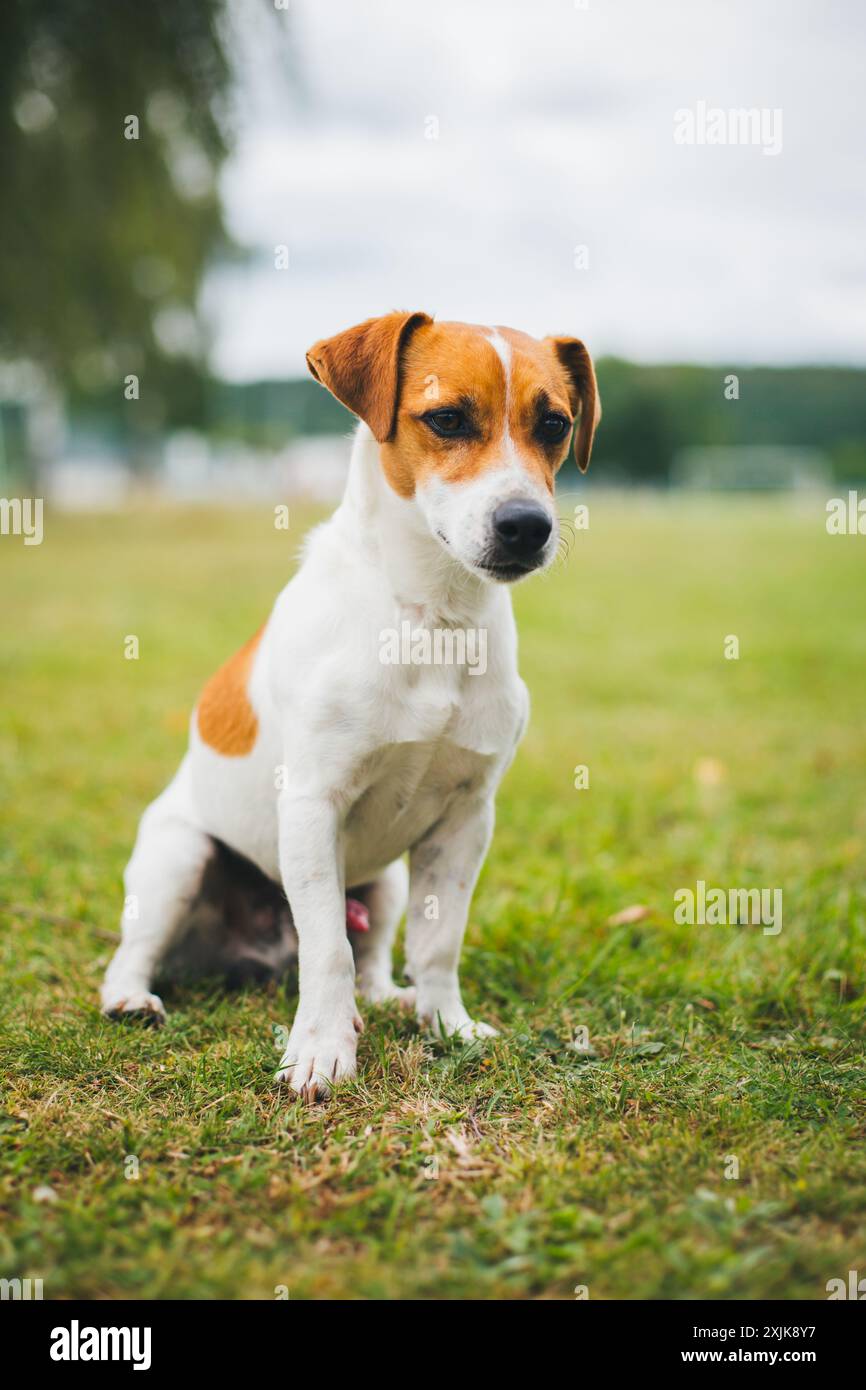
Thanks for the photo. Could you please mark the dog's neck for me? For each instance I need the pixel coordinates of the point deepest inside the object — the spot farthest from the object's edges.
(427, 582)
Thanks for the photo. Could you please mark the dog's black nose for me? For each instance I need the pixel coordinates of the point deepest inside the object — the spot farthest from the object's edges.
(522, 529)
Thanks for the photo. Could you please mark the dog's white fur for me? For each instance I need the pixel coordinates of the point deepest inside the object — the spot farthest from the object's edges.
(374, 761)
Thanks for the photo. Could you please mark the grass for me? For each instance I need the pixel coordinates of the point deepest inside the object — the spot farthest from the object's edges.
(514, 1169)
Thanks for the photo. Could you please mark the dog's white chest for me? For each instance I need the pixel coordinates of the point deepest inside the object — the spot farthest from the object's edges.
(410, 787)
(434, 745)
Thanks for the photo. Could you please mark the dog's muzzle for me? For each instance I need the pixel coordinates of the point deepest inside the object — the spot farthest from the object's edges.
(521, 530)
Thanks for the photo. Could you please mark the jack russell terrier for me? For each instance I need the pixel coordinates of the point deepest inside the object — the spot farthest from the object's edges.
(314, 764)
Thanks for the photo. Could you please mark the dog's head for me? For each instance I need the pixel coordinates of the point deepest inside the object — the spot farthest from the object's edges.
(473, 424)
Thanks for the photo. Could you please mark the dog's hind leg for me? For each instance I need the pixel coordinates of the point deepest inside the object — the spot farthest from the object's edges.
(161, 880)
(385, 900)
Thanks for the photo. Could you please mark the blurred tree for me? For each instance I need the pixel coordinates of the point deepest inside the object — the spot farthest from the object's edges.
(112, 130)
(635, 435)
(649, 414)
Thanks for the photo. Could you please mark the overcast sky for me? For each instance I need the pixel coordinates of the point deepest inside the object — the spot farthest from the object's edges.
(555, 131)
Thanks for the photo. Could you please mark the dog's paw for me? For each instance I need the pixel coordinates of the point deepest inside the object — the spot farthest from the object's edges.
(386, 992)
(317, 1058)
(456, 1024)
(138, 1006)
(471, 1030)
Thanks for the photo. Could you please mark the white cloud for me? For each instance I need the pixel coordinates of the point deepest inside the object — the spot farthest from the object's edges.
(555, 128)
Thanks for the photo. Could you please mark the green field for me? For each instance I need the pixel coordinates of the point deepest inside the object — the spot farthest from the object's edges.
(512, 1169)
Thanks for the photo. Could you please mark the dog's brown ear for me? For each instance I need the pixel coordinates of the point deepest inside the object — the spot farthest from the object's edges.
(361, 367)
(584, 394)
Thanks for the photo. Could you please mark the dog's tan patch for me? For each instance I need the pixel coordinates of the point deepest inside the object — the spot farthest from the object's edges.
(443, 364)
(226, 720)
(395, 370)
(449, 363)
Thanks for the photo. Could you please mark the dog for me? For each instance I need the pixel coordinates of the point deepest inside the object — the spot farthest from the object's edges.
(316, 760)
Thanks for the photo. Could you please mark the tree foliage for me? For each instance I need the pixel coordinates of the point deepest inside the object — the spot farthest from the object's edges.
(650, 414)
(105, 237)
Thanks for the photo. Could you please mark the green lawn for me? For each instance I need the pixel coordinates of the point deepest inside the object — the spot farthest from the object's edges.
(507, 1170)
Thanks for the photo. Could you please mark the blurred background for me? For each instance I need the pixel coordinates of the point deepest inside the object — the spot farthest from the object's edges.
(195, 193)
(192, 194)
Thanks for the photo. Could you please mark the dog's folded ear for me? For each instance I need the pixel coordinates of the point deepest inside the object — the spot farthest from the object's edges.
(361, 367)
(584, 394)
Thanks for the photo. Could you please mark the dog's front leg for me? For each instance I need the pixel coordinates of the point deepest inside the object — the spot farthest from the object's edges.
(443, 868)
(323, 1041)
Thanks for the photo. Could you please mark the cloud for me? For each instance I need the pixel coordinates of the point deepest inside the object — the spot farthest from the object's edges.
(555, 130)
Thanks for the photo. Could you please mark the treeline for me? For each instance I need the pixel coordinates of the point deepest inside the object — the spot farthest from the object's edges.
(650, 413)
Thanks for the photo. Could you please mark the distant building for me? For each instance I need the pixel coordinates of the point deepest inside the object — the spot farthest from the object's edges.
(308, 468)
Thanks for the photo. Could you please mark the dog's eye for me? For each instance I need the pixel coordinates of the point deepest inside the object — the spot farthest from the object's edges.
(448, 423)
(552, 428)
